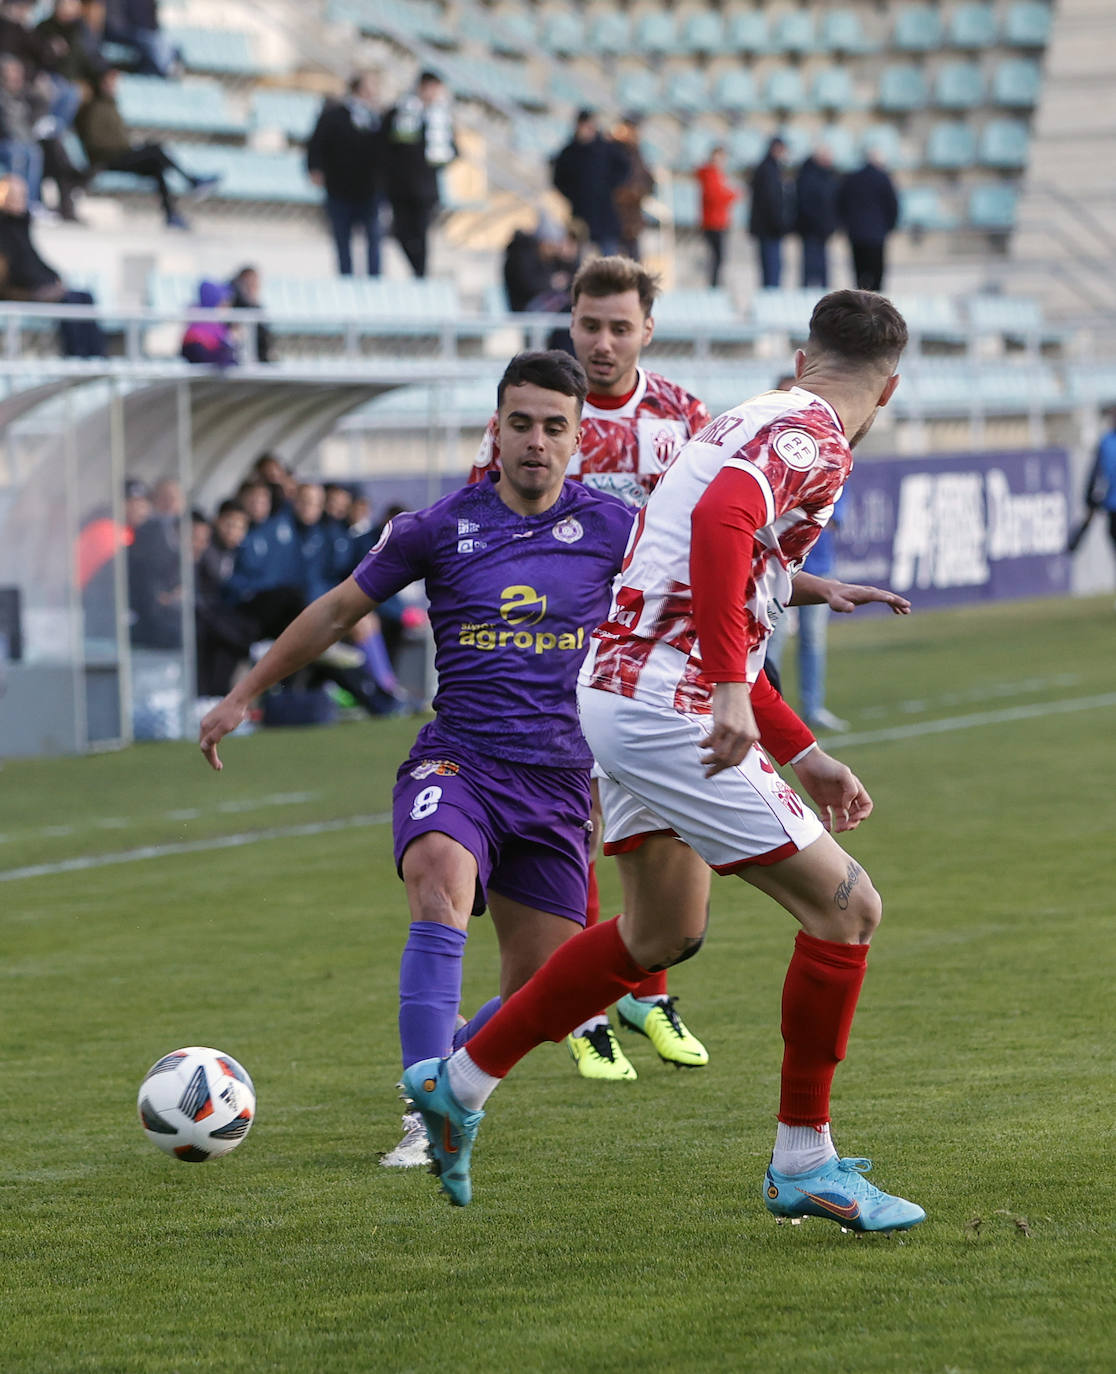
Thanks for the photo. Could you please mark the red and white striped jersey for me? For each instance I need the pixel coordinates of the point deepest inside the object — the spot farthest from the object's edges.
(794, 452)
(624, 451)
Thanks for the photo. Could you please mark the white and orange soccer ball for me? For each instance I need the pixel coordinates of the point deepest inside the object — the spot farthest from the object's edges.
(196, 1104)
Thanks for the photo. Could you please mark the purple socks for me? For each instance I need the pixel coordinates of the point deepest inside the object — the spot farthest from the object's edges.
(462, 1033)
(429, 990)
(379, 665)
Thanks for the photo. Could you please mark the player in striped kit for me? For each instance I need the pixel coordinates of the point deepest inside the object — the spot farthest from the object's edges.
(668, 698)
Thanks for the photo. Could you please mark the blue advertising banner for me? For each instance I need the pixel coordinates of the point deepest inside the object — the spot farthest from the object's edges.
(967, 527)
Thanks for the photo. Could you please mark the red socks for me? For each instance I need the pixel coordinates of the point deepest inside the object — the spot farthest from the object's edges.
(819, 1002)
(586, 973)
(655, 984)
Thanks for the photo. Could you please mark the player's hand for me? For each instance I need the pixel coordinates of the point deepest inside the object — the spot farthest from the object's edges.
(221, 721)
(847, 596)
(837, 791)
(734, 728)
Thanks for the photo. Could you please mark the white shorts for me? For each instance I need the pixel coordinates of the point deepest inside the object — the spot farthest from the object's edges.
(654, 784)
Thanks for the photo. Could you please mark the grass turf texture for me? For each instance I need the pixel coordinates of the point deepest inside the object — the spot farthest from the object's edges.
(613, 1225)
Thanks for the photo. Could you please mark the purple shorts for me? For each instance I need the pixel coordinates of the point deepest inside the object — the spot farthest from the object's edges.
(527, 827)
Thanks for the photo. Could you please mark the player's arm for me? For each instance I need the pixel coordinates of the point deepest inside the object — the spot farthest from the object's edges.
(321, 624)
(808, 589)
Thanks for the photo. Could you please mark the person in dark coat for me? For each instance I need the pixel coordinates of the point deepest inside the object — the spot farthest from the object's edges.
(136, 24)
(345, 156)
(419, 142)
(634, 190)
(816, 215)
(868, 210)
(588, 172)
(770, 214)
(244, 294)
(539, 267)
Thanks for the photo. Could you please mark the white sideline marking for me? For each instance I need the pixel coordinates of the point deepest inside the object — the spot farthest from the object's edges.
(951, 723)
(162, 851)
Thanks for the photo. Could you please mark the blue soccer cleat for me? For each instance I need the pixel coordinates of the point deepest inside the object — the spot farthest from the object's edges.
(450, 1127)
(840, 1192)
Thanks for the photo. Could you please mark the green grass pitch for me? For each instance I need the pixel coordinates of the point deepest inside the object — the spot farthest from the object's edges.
(614, 1227)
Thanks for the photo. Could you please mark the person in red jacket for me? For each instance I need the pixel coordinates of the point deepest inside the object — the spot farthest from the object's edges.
(717, 198)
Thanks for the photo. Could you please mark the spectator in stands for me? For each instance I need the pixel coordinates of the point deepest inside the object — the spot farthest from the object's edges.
(634, 189)
(210, 341)
(136, 24)
(345, 155)
(20, 111)
(816, 215)
(224, 633)
(717, 199)
(419, 142)
(539, 267)
(244, 294)
(108, 146)
(338, 504)
(868, 210)
(588, 171)
(1100, 491)
(72, 49)
(155, 571)
(281, 482)
(25, 276)
(769, 219)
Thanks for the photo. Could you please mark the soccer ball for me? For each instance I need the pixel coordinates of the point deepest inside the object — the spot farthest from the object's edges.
(196, 1104)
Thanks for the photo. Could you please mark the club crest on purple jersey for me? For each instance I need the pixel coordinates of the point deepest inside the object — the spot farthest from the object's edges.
(445, 768)
(568, 531)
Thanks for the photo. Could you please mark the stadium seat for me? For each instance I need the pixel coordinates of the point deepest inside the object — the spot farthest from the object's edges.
(511, 31)
(246, 175)
(1013, 315)
(918, 28)
(1016, 83)
(701, 31)
(294, 113)
(1027, 24)
(562, 33)
(833, 89)
(935, 385)
(227, 52)
(694, 306)
(637, 89)
(794, 33)
(686, 91)
(885, 142)
(735, 92)
(746, 31)
(950, 147)
(993, 207)
(959, 86)
(931, 317)
(972, 26)
(842, 32)
(421, 19)
(921, 207)
(685, 204)
(1004, 144)
(1015, 388)
(608, 33)
(746, 146)
(784, 90)
(841, 142)
(902, 88)
(785, 310)
(195, 105)
(697, 143)
(653, 33)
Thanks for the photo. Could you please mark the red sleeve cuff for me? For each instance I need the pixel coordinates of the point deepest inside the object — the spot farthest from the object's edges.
(782, 733)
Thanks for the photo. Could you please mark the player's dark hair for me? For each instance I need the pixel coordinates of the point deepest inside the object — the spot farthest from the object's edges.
(613, 276)
(857, 327)
(553, 370)
(230, 507)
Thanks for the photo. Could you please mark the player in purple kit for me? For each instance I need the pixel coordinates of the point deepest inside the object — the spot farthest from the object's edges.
(490, 808)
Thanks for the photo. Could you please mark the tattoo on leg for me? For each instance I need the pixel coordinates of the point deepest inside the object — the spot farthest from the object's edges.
(690, 946)
(852, 877)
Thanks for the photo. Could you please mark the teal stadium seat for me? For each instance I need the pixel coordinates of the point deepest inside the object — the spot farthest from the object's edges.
(884, 140)
(785, 310)
(1092, 383)
(685, 205)
(833, 89)
(921, 207)
(293, 113)
(637, 90)
(1016, 316)
(686, 92)
(654, 34)
(1004, 144)
(918, 28)
(247, 175)
(510, 32)
(972, 27)
(931, 317)
(935, 386)
(735, 92)
(784, 89)
(794, 33)
(800, 142)
(227, 52)
(697, 143)
(695, 305)
(903, 88)
(482, 78)
(562, 33)
(1016, 388)
(993, 208)
(1016, 83)
(702, 32)
(746, 31)
(950, 147)
(196, 105)
(841, 142)
(608, 34)
(959, 86)
(1027, 24)
(746, 145)
(420, 19)
(842, 32)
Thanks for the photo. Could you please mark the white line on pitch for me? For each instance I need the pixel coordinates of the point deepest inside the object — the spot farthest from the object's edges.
(951, 723)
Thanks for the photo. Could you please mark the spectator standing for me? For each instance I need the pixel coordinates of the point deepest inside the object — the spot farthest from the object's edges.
(108, 146)
(155, 572)
(345, 156)
(20, 110)
(816, 215)
(769, 218)
(136, 23)
(25, 276)
(868, 210)
(717, 200)
(418, 134)
(244, 294)
(210, 341)
(588, 171)
(634, 190)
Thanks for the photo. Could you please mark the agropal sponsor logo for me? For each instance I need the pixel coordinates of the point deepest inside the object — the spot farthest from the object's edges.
(521, 609)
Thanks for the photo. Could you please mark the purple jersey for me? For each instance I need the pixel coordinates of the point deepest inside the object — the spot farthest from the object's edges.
(513, 602)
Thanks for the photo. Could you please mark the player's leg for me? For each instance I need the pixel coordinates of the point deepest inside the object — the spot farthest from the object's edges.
(832, 898)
